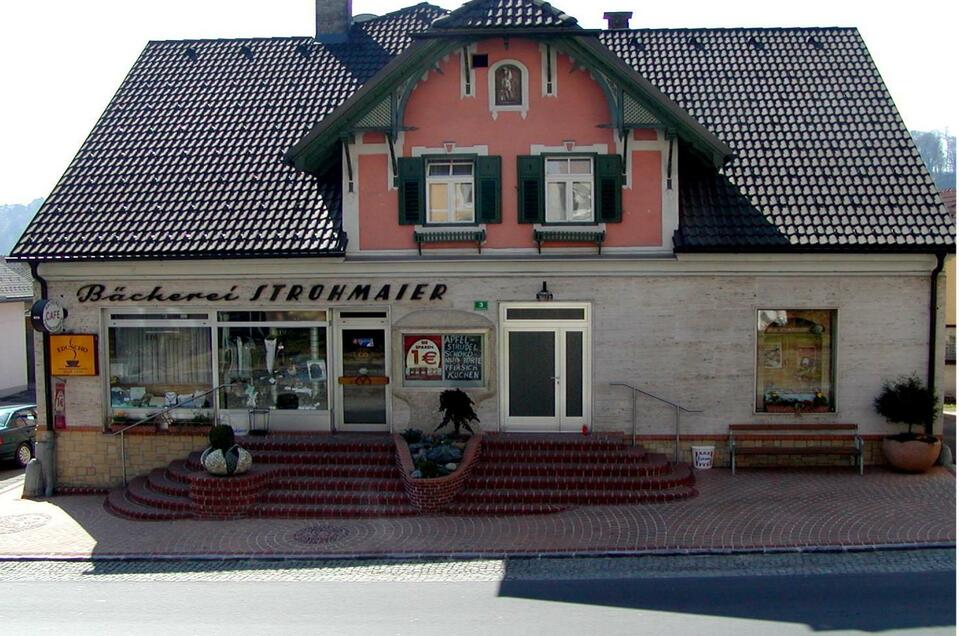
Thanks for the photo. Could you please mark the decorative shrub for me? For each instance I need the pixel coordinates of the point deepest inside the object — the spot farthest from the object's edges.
(457, 408)
(412, 435)
(222, 437)
(907, 401)
(429, 469)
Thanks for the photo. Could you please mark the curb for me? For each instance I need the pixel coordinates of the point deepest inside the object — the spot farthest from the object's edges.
(467, 556)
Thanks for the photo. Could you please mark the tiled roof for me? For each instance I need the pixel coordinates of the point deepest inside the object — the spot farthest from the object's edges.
(187, 160)
(505, 14)
(13, 284)
(823, 159)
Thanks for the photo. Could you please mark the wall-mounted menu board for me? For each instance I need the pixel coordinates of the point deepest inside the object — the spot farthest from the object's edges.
(449, 359)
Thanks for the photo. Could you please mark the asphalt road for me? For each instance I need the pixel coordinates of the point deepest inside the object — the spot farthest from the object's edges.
(894, 603)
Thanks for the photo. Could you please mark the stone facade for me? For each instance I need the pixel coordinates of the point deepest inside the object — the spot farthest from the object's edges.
(672, 329)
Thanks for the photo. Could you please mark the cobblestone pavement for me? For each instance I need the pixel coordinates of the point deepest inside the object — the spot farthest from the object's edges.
(455, 570)
(753, 511)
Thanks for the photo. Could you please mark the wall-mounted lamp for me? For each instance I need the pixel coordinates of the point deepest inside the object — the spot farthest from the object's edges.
(544, 295)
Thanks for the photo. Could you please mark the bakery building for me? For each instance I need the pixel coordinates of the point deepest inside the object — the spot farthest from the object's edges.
(321, 233)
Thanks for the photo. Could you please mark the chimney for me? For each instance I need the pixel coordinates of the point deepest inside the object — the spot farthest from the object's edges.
(333, 19)
(616, 20)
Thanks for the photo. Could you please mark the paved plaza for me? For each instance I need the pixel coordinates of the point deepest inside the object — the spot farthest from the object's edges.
(757, 510)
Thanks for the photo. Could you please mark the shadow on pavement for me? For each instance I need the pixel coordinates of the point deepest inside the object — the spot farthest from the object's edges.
(865, 602)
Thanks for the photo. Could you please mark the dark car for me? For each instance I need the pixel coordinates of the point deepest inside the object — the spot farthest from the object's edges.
(18, 432)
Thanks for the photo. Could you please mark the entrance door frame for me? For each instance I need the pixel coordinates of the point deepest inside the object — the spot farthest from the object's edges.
(559, 328)
(339, 323)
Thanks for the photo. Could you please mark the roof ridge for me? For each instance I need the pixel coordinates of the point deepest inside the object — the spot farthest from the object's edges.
(731, 29)
(462, 18)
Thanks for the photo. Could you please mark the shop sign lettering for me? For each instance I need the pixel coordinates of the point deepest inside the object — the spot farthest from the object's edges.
(273, 293)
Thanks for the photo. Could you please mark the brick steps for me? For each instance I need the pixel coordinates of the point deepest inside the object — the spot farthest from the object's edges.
(159, 481)
(582, 497)
(139, 491)
(529, 467)
(118, 504)
(372, 484)
(298, 444)
(677, 476)
(322, 497)
(526, 474)
(311, 511)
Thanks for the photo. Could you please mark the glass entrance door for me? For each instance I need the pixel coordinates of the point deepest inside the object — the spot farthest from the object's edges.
(546, 368)
(363, 378)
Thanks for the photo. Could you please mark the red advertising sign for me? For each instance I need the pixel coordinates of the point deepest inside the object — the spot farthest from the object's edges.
(424, 357)
(60, 405)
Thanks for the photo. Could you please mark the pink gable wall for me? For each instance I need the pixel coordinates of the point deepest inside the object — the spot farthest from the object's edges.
(437, 113)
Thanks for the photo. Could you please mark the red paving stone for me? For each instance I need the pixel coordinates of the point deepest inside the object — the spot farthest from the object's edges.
(755, 510)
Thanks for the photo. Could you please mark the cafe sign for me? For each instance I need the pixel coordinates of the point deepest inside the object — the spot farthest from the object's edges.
(73, 354)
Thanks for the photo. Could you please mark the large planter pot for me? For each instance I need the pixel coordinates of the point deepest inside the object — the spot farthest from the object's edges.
(912, 456)
(235, 461)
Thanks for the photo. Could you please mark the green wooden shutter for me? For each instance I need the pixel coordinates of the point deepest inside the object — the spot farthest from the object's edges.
(532, 199)
(412, 183)
(609, 188)
(488, 190)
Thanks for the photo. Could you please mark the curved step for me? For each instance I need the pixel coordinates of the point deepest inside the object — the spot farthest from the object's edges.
(118, 504)
(307, 511)
(323, 497)
(502, 509)
(377, 484)
(179, 471)
(139, 492)
(158, 481)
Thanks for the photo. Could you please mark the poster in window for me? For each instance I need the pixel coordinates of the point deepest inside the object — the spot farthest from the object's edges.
(807, 363)
(452, 359)
(772, 355)
(424, 358)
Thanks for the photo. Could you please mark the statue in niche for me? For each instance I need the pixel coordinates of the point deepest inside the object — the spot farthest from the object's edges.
(509, 87)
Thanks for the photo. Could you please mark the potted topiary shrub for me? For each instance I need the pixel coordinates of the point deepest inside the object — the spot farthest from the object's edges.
(908, 401)
(224, 457)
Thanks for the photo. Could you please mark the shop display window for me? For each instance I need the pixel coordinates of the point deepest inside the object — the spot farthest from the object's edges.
(156, 367)
(795, 361)
(276, 367)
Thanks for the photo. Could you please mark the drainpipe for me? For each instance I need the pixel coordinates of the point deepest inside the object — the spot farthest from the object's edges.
(46, 448)
(933, 323)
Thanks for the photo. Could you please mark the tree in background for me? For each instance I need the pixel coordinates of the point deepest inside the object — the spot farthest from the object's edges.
(938, 151)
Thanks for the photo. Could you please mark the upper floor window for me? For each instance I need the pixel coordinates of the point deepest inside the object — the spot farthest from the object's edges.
(509, 85)
(449, 192)
(569, 190)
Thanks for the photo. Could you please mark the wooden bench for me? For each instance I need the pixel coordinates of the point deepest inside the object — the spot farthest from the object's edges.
(795, 433)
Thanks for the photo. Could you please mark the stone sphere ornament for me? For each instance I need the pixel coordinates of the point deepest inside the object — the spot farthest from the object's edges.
(235, 461)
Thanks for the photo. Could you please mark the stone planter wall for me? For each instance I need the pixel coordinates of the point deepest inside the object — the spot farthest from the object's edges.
(431, 495)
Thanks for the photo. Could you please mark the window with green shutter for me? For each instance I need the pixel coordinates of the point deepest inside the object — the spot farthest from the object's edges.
(412, 185)
(489, 189)
(609, 188)
(530, 188)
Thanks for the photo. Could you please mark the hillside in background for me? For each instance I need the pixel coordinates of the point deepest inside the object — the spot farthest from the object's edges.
(938, 150)
(13, 221)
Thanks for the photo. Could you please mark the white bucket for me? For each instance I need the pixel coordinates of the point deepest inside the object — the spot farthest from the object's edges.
(703, 457)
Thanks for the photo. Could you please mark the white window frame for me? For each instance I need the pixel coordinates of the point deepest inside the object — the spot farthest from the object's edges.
(451, 181)
(569, 180)
(523, 107)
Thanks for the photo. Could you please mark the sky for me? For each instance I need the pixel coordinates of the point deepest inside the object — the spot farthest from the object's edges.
(62, 60)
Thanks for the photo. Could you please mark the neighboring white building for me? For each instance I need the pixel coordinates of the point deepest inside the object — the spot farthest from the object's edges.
(16, 293)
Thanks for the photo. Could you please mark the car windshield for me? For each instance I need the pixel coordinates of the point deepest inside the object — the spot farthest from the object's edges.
(5, 415)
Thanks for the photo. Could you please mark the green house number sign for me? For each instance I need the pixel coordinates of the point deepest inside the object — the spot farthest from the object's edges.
(480, 305)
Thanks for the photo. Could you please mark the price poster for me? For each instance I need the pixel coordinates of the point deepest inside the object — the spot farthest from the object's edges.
(451, 359)
(424, 358)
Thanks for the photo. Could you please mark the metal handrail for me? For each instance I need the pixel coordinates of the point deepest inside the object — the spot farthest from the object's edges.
(676, 410)
(163, 411)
